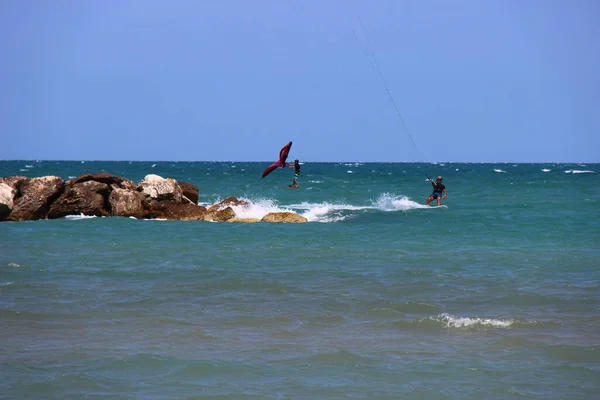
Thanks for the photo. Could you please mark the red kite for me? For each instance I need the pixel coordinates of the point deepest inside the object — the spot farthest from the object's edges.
(283, 154)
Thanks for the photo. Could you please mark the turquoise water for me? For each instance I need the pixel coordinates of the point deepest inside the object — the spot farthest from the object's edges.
(495, 295)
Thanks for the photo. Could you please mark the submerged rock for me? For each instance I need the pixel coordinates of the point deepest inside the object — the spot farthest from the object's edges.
(249, 220)
(220, 215)
(176, 211)
(284, 217)
(228, 202)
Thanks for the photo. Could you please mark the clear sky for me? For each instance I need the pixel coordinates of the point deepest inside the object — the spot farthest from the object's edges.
(196, 80)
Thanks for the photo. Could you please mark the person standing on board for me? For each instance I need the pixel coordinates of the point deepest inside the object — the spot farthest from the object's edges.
(439, 191)
(295, 165)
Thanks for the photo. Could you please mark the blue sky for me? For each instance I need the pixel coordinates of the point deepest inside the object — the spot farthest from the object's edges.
(474, 81)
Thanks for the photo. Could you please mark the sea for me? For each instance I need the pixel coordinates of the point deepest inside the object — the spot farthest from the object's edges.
(493, 295)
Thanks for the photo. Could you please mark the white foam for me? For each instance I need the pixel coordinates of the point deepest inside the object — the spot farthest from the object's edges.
(80, 216)
(499, 170)
(464, 322)
(14, 265)
(578, 171)
(258, 208)
(349, 172)
(390, 202)
(29, 166)
(325, 212)
(546, 170)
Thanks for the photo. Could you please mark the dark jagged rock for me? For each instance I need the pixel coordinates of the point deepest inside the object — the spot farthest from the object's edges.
(111, 180)
(34, 196)
(87, 198)
(228, 202)
(190, 191)
(221, 216)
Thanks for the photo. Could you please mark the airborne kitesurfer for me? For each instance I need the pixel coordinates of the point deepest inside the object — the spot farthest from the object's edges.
(295, 165)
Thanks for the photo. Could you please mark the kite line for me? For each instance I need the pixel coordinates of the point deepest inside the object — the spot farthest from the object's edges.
(368, 50)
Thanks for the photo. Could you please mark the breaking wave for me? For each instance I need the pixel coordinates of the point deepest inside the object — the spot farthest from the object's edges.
(327, 211)
(450, 321)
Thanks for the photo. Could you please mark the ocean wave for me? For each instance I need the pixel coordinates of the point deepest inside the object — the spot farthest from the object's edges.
(340, 357)
(390, 202)
(450, 321)
(80, 216)
(447, 321)
(258, 208)
(579, 171)
(325, 211)
(499, 170)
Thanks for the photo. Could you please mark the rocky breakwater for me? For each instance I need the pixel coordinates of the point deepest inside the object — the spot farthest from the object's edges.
(103, 194)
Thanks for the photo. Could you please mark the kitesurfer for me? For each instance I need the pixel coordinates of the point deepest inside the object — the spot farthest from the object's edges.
(439, 191)
(296, 166)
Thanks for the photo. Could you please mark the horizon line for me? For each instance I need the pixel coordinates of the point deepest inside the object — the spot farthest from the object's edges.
(307, 161)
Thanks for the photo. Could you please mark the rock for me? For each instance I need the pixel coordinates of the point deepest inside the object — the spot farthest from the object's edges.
(34, 197)
(223, 215)
(15, 182)
(176, 211)
(128, 203)
(236, 219)
(228, 202)
(220, 215)
(7, 195)
(283, 217)
(87, 198)
(159, 188)
(190, 191)
(111, 180)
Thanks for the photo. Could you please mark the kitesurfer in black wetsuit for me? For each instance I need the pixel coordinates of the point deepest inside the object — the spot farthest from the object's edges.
(295, 165)
(439, 191)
